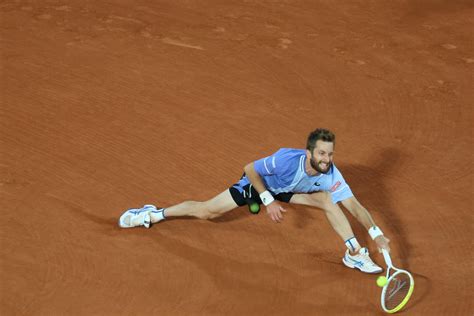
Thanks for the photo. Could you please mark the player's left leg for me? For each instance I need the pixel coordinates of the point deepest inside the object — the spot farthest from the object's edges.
(355, 256)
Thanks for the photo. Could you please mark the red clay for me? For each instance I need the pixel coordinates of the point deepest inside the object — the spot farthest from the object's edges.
(107, 106)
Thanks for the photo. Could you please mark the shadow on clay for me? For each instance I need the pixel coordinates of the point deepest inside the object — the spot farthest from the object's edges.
(368, 185)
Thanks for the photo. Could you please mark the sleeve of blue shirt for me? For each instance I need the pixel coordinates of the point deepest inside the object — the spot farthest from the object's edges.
(343, 191)
(271, 165)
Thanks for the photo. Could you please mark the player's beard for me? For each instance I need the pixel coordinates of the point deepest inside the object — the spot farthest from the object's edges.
(316, 165)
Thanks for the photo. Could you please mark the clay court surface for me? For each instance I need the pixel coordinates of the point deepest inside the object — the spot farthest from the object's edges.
(109, 105)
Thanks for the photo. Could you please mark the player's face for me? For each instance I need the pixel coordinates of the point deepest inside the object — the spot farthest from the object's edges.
(322, 156)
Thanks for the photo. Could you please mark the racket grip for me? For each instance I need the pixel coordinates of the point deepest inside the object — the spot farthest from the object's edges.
(387, 258)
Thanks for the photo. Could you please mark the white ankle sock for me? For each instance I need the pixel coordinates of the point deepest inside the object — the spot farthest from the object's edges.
(352, 244)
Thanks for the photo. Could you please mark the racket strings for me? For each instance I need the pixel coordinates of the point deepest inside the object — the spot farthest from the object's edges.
(397, 289)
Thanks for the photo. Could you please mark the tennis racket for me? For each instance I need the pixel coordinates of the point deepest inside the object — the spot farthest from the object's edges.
(399, 287)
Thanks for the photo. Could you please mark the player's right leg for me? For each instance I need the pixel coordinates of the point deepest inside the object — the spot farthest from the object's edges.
(209, 209)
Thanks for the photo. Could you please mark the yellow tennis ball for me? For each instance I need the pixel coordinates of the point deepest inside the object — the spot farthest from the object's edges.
(381, 281)
(254, 208)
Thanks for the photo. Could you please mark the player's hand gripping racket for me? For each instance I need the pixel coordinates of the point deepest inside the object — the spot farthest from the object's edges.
(399, 287)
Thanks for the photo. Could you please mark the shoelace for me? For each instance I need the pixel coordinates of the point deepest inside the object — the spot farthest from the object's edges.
(137, 217)
(366, 259)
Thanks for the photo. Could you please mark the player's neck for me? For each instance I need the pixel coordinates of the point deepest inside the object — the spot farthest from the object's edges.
(309, 169)
(312, 172)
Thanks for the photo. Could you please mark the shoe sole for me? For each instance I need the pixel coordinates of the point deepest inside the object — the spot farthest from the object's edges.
(356, 267)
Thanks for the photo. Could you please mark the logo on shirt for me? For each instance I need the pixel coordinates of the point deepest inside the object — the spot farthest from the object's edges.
(317, 184)
(335, 186)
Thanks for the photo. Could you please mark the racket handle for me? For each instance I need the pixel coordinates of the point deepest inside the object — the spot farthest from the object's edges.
(387, 258)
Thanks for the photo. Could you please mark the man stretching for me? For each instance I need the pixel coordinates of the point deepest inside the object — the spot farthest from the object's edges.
(296, 176)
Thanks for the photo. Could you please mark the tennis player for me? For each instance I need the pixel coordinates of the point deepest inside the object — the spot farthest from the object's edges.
(296, 176)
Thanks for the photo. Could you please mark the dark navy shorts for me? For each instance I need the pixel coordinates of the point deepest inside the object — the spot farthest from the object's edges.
(244, 193)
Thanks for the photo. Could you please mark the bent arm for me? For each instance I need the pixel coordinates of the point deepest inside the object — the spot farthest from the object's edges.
(273, 207)
(359, 212)
(254, 178)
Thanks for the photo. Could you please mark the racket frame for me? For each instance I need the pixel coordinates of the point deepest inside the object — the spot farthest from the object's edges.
(389, 277)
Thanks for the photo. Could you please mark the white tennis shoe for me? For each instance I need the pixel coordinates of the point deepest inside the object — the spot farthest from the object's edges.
(361, 261)
(137, 217)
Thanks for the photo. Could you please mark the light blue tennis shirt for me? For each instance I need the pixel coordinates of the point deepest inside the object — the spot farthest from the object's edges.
(284, 171)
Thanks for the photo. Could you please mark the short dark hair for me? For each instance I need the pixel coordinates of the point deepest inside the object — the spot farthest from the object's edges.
(320, 134)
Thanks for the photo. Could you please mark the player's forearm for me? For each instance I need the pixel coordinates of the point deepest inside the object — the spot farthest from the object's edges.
(254, 178)
(363, 216)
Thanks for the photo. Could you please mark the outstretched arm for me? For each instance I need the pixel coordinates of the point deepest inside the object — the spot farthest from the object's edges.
(363, 216)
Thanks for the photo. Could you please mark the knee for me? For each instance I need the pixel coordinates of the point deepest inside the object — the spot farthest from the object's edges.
(206, 211)
(329, 207)
(322, 200)
(201, 211)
